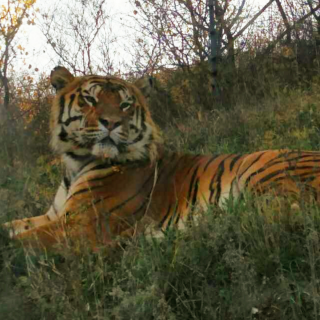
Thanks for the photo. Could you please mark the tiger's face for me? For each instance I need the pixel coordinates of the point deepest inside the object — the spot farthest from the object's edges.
(103, 117)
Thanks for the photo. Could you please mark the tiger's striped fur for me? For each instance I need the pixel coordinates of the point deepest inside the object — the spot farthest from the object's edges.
(119, 181)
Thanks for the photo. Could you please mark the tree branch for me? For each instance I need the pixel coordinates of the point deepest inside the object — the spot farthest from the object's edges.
(281, 35)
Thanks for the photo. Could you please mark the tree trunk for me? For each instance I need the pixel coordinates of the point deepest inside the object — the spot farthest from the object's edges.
(214, 49)
(317, 17)
(6, 126)
(285, 20)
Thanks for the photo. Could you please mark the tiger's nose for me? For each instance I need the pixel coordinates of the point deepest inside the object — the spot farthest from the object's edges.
(109, 124)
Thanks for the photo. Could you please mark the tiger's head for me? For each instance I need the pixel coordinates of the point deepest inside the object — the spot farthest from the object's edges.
(102, 117)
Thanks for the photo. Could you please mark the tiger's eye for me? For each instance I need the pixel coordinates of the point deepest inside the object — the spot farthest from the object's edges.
(81, 101)
(91, 100)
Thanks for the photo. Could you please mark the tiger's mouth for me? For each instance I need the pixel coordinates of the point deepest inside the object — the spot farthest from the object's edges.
(105, 148)
(107, 141)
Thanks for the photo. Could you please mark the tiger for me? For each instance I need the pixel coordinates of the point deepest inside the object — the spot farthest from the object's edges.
(120, 181)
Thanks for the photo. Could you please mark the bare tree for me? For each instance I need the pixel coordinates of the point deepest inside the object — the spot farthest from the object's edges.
(291, 27)
(12, 16)
(79, 34)
(177, 31)
(316, 15)
(285, 20)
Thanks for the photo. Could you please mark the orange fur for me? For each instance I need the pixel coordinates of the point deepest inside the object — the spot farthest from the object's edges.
(106, 204)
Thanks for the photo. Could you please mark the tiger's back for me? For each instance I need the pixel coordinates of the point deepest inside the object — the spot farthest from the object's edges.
(178, 185)
(124, 200)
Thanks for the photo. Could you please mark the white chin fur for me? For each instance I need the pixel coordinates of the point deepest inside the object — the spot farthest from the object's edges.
(105, 151)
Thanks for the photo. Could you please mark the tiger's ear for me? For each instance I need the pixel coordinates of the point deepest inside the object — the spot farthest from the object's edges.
(60, 77)
(146, 85)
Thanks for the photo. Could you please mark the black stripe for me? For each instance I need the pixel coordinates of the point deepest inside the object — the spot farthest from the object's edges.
(132, 127)
(63, 135)
(137, 139)
(171, 219)
(178, 218)
(143, 204)
(158, 179)
(195, 193)
(307, 174)
(61, 103)
(271, 175)
(107, 175)
(301, 155)
(66, 182)
(193, 179)
(303, 177)
(176, 165)
(72, 119)
(210, 161)
(98, 167)
(107, 84)
(234, 161)
(81, 101)
(72, 97)
(309, 161)
(192, 161)
(103, 177)
(296, 159)
(217, 178)
(130, 198)
(165, 217)
(266, 166)
(104, 198)
(143, 120)
(289, 168)
(194, 200)
(97, 79)
(254, 162)
(102, 166)
(284, 154)
(78, 157)
(86, 190)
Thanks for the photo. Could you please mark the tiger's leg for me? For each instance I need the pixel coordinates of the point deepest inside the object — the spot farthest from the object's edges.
(16, 227)
(78, 230)
(81, 223)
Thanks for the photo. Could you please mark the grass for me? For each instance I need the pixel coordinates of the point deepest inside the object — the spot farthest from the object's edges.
(258, 259)
(245, 263)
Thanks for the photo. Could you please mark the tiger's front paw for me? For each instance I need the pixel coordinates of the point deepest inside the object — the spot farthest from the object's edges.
(16, 227)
